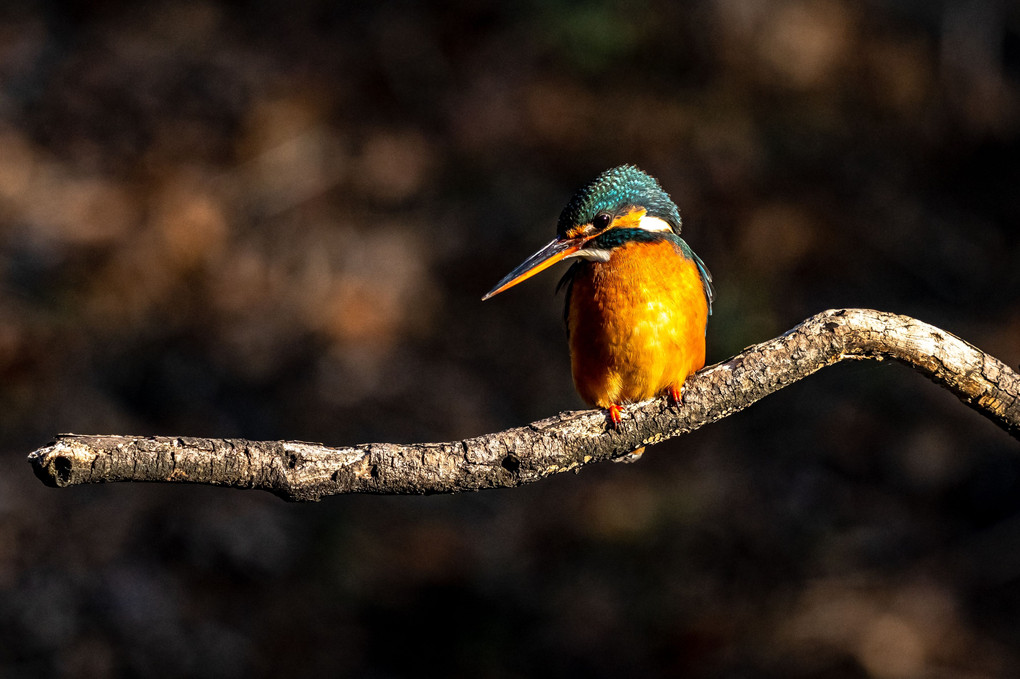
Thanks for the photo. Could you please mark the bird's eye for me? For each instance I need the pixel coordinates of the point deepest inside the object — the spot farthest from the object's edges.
(601, 221)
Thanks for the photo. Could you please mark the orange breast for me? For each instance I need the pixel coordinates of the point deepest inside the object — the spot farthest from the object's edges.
(637, 324)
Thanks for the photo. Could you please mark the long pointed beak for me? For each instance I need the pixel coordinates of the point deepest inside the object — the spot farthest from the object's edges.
(554, 252)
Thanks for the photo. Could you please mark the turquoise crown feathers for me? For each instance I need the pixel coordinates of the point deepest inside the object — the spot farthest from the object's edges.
(614, 190)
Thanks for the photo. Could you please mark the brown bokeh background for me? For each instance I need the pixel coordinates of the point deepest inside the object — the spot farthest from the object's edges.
(276, 221)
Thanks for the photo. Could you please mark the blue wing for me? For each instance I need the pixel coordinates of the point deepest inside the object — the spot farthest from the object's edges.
(706, 276)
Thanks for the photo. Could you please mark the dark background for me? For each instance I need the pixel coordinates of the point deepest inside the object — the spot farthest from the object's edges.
(276, 220)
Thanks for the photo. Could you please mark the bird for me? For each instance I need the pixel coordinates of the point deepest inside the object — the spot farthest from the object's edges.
(637, 296)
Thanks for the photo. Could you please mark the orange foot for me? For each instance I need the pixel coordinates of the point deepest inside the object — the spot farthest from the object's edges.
(677, 394)
(614, 414)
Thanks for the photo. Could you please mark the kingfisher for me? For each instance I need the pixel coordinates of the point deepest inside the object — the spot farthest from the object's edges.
(637, 297)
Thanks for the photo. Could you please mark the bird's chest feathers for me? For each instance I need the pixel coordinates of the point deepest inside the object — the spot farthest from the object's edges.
(637, 322)
(644, 288)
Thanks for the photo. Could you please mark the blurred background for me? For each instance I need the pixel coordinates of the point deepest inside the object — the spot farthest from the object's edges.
(276, 221)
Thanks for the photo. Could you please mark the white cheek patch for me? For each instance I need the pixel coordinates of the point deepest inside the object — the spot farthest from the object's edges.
(646, 223)
(591, 254)
(653, 224)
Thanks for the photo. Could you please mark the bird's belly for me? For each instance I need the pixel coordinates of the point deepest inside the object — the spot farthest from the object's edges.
(637, 325)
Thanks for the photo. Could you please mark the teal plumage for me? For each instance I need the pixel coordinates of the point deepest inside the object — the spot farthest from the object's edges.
(614, 190)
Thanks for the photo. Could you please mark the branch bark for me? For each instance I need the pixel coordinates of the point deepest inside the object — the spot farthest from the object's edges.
(300, 471)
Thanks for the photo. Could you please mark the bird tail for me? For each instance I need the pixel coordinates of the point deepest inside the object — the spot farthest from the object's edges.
(632, 456)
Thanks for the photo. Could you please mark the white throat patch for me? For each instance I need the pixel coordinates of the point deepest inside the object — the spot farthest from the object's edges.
(591, 254)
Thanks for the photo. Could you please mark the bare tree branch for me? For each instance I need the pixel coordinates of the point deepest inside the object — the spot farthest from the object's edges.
(307, 471)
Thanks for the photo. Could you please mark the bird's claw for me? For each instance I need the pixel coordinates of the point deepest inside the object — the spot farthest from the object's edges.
(677, 394)
(614, 414)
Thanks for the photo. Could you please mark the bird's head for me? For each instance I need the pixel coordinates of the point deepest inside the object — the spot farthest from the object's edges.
(620, 205)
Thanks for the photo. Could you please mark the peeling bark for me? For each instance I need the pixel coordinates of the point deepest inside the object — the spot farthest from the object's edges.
(300, 471)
